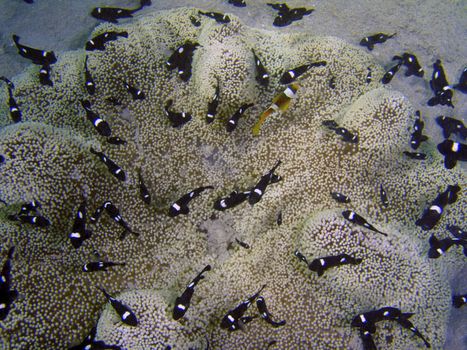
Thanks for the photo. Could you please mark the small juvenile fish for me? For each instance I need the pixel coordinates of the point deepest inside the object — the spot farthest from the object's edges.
(357, 219)
(114, 169)
(452, 152)
(432, 214)
(347, 136)
(97, 43)
(412, 64)
(233, 319)
(101, 126)
(88, 81)
(387, 77)
(242, 244)
(330, 124)
(440, 87)
(233, 121)
(279, 105)
(256, 193)
(115, 140)
(212, 105)
(195, 21)
(279, 218)
(218, 17)
(320, 265)
(452, 126)
(378, 38)
(79, 233)
(112, 14)
(403, 320)
(301, 257)
(143, 190)
(114, 213)
(90, 343)
(44, 76)
(177, 119)
(99, 266)
(232, 200)
(369, 77)
(383, 195)
(7, 294)
(287, 15)
(126, 314)
(339, 197)
(181, 205)
(459, 300)
(35, 220)
(238, 3)
(332, 82)
(457, 232)
(182, 59)
(32, 206)
(262, 76)
(367, 320)
(182, 303)
(14, 110)
(265, 314)
(39, 57)
(136, 93)
(439, 247)
(293, 74)
(462, 84)
(417, 137)
(415, 155)
(367, 339)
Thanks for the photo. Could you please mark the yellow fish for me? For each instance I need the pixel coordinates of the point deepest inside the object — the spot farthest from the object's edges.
(280, 103)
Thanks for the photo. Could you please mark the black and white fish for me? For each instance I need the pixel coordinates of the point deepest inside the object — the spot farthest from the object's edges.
(182, 59)
(452, 152)
(262, 76)
(39, 57)
(100, 266)
(7, 294)
(301, 257)
(357, 219)
(181, 205)
(44, 75)
(232, 200)
(330, 124)
(114, 169)
(432, 214)
(115, 140)
(90, 343)
(332, 82)
(233, 120)
(257, 192)
(287, 15)
(242, 244)
(293, 74)
(114, 213)
(411, 62)
(321, 264)
(238, 3)
(97, 42)
(212, 105)
(459, 300)
(99, 124)
(440, 87)
(451, 126)
(35, 220)
(417, 136)
(31, 206)
(182, 303)
(347, 136)
(136, 93)
(177, 119)
(195, 21)
(462, 84)
(88, 80)
(233, 319)
(15, 113)
(367, 339)
(378, 38)
(126, 314)
(218, 17)
(439, 247)
(367, 320)
(369, 76)
(143, 190)
(387, 77)
(112, 14)
(415, 155)
(403, 320)
(457, 232)
(265, 314)
(339, 197)
(78, 232)
(383, 195)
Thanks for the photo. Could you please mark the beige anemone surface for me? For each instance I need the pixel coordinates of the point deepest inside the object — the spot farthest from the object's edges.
(47, 158)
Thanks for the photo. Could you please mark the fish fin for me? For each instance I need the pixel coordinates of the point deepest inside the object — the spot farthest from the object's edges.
(261, 120)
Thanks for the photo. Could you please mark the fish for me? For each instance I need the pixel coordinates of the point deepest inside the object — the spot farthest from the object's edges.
(369, 77)
(456, 231)
(136, 93)
(114, 213)
(90, 343)
(212, 105)
(181, 205)
(321, 264)
(387, 77)
(403, 320)
(432, 214)
(257, 192)
(35, 220)
(31, 206)
(232, 200)
(411, 62)
(417, 137)
(97, 42)
(44, 76)
(384, 196)
(347, 136)
(233, 319)
(238, 3)
(459, 300)
(233, 121)
(339, 197)
(415, 155)
(177, 119)
(367, 339)
(440, 87)
(279, 218)
(357, 219)
(452, 152)
(7, 294)
(182, 303)
(293, 74)
(114, 169)
(100, 266)
(78, 232)
(115, 140)
(287, 15)
(114, 101)
(262, 76)
(218, 17)
(378, 38)
(143, 190)
(127, 316)
(242, 244)
(101, 126)
(182, 58)
(330, 124)
(332, 82)
(265, 314)
(367, 320)
(195, 21)
(452, 126)
(15, 113)
(280, 104)
(88, 80)
(112, 14)
(39, 57)
(301, 257)
(439, 247)
(462, 84)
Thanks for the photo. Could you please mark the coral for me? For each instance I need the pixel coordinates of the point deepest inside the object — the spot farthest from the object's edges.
(47, 158)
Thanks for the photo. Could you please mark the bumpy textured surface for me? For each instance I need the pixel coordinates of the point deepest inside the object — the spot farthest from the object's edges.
(47, 158)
